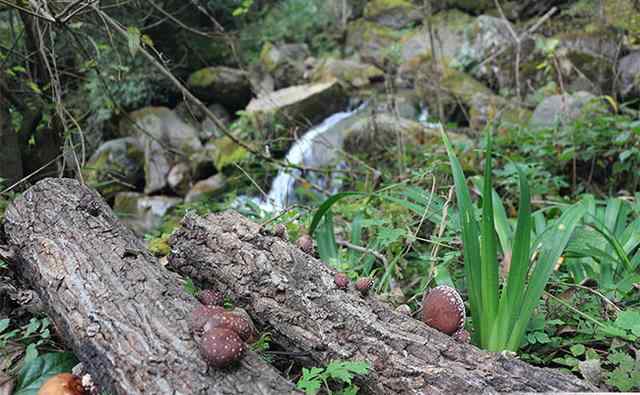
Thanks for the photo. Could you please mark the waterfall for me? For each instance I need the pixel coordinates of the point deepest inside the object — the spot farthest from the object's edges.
(315, 149)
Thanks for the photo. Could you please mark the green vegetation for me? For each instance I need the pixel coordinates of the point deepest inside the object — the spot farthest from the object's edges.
(314, 379)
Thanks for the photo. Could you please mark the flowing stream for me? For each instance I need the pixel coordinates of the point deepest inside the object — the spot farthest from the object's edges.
(315, 149)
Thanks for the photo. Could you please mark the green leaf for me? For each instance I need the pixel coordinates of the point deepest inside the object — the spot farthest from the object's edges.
(629, 320)
(577, 349)
(34, 373)
(470, 241)
(344, 371)
(552, 245)
(326, 240)
(310, 381)
(133, 39)
(326, 205)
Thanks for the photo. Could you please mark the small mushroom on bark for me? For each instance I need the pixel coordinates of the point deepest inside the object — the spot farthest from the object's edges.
(305, 243)
(62, 384)
(443, 309)
(201, 315)
(221, 347)
(341, 280)
(364, 284)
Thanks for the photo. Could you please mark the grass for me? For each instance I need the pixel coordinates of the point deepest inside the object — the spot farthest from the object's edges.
(501, 312)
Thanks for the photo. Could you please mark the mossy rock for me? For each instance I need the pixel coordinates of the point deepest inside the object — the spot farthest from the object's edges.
(372, 42)
(281, 111)
(396, 14)
(450, 28)
(224, 85)
(116, 166)
(474, 6)
(350, 72)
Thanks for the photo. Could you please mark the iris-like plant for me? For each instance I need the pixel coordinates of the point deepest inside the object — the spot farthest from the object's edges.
(501, 312)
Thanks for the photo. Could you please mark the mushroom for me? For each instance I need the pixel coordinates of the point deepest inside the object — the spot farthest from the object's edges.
(209, 297)
(364, 284)
(201, 315)
(341, 280)
(443, 309)
(238, 324)
(462, 336)
(62, 384)
(221, 347)
(305, 243)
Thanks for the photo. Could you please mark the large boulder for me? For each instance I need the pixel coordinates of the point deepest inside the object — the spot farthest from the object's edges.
(473, 6)
(396, 14)
(372, 42)
(351, 73)
(563, 109)
(206, 127)
(629, 75)
(206, 188)
(166, 140)
(224, 85)
(449, 34)
(284, 65)
(588, 59)
(297, 106)
(143, 213)
(116, 166)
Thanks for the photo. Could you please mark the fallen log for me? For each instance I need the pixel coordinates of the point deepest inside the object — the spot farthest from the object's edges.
(120, 311)
(294, 295)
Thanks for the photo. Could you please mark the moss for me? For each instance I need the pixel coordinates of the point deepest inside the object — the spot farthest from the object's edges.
(159, 246)
(475, 6)
(377, 7)
(203, 77)
(266, 59)
(227, 153)
(462, 85)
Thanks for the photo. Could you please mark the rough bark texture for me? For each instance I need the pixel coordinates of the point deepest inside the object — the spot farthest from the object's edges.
(294, 295)
(121, 312)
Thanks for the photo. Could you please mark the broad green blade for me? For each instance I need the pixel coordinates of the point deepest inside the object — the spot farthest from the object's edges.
(325, 237)
(488, 250)
(503, 227)
(356, 238)
(470, 239)
(513, 293)
(326, 205)
(553, 244)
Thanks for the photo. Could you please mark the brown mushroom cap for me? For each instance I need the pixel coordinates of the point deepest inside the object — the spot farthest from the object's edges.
(364, 284)
(62, 384)
(341, 280)
(238, 324)
(201, 315)
(305, 243)
(221, 347)
(209, 297)
(443, 309)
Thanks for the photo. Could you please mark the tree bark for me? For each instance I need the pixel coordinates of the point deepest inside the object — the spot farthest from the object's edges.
(121, 312)
(294, 295)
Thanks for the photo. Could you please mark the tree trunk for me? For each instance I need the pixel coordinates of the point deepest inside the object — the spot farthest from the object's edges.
(294, 295)
(120, 311)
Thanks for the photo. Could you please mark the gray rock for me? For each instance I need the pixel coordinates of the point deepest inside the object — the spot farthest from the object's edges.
(298, 105)
(179, 178)
(165, 138)
(206, 127)
(224, 85)
(396, 14)
(116, 166)
(350, 72)
(206, 187)
(281, 66)
(629, 69)
(143, 213)
(562, 109)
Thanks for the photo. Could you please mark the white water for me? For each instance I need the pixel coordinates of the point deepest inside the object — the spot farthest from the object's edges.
(311, 150)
